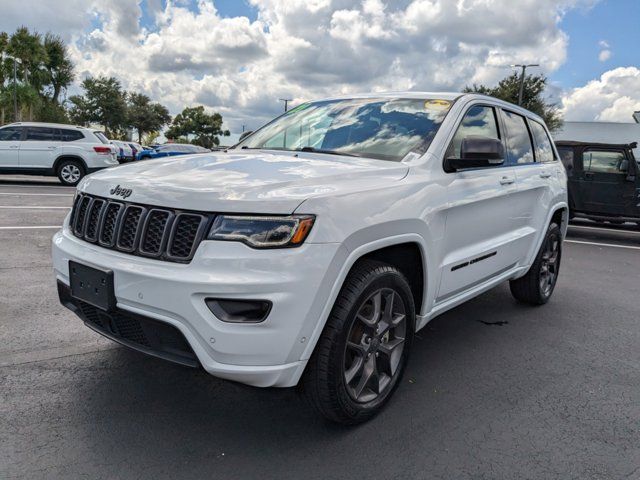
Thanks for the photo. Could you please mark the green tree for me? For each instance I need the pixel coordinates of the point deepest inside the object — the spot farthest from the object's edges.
(29, 48)
(103, 103)
(44, 69)
(58, 65)
(532, 98)
(145, 116)
(199, 127)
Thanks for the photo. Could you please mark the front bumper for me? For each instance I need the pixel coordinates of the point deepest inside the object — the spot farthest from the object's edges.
(297, 281)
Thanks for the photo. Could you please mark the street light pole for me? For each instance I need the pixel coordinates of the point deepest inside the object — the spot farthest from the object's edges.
(15, 89)
(286, 102)
(524, 69)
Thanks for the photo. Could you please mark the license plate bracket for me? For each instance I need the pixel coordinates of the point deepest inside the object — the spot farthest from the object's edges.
(92, 285)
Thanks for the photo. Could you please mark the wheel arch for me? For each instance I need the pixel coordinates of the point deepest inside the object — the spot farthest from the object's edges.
(374, 250)
(63, 157)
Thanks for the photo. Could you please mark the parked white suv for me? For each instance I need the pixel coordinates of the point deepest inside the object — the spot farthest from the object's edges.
(313, 251)
(66, 151)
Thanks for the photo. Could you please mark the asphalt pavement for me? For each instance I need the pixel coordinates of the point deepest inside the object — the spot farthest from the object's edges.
(494, 389)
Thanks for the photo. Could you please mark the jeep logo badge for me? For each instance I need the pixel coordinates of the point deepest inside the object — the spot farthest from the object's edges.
(121, 192)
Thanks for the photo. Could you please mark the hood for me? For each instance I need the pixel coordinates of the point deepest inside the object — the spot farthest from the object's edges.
(257, 181)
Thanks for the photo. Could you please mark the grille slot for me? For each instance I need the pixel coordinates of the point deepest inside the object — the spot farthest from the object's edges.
(129, 228)
(154, 232)
(95, 210)
(165, 234)
(186, 230)
(109, 224)
(81, 215)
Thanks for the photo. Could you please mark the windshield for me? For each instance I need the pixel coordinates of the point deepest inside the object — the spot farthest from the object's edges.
(381, 128)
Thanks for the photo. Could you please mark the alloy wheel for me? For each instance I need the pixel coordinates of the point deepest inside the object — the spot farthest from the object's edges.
(549, 265)
(375, 345)
(70, 173)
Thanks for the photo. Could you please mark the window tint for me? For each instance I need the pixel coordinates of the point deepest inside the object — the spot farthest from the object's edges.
(566, 156)
(544, 152)
(519, 149)
(10, 134)
(478, 121)
(601, 161)
(70, 135)
(42, 134)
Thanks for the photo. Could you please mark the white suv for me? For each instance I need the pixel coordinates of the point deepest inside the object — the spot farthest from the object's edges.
(314, 250)
(54, 149)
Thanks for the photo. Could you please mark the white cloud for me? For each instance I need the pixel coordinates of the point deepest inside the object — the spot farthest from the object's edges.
(301, 49)
(613, 97)
(605, 52)
(604, 55)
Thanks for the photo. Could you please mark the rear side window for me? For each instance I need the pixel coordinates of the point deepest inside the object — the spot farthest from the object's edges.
(519, 148)
(566, 157)
(478, 121)
(101, 137)
(605, 161)
(41, 134)
(544, 151)
(10, 134)
(70, 135)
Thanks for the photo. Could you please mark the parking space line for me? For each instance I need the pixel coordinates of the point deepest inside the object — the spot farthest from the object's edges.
(603, 244)
(17, 194)
(32, 207)
(31, 227)
(603, 229)
(48, 185)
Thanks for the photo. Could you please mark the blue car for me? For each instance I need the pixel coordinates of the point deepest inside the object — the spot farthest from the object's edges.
(170, 150)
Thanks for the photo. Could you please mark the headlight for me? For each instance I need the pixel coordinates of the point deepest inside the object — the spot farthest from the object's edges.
(262, 232)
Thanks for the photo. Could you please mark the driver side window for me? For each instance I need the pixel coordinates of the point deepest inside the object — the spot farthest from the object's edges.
(605, 161)
(478, 121)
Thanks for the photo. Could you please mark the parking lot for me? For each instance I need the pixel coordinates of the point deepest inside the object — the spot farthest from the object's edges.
(494, 389)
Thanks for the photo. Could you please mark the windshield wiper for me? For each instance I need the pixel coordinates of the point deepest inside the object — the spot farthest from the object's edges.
(329, 152)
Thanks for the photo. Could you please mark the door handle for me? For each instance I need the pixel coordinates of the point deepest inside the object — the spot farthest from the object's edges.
(13, 146)
(545, 175)
(52, 148)
(507, 181)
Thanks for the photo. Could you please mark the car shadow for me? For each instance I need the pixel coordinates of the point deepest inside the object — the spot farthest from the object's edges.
(145, 410)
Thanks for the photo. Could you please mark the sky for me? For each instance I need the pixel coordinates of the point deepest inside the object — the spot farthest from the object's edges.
(238, 57)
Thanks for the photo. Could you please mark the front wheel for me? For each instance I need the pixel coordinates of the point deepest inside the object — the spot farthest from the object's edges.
(70, 172)
(536, 287)
(362, 353)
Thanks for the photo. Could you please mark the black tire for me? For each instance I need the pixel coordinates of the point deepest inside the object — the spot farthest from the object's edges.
(325, 381)
(536, 287)
(70, 172)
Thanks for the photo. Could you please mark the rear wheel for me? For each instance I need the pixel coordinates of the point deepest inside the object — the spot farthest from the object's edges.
(70, 172)
(362, 353)
(537, 285)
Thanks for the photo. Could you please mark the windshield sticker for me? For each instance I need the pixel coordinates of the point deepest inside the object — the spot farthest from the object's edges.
(299, 107)
(437, 104)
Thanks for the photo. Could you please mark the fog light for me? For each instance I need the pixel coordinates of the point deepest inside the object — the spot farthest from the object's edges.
(239, 311)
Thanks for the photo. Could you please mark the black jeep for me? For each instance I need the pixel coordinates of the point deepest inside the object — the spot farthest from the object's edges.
(604, 181)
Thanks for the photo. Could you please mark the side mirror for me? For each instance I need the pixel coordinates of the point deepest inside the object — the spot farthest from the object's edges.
(475, 152)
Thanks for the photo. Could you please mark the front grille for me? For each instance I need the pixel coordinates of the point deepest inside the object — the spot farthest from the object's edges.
(167, 234)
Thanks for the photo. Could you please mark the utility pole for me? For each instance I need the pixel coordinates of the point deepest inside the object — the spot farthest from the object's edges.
(15, 91)
(286, 102)
(524, 69)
